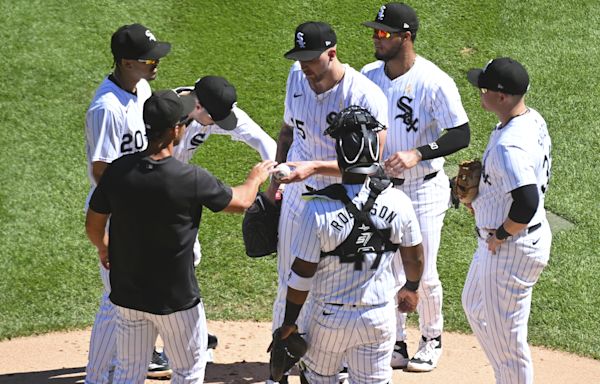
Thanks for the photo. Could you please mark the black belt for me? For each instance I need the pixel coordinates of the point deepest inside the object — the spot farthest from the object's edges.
(397, 182)
(531, 229)
(341, 305)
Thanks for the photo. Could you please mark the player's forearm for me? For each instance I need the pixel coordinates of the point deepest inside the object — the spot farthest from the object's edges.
(329, 168)
(284, 142)
(412, 260)
(95, 224)
(452, 141)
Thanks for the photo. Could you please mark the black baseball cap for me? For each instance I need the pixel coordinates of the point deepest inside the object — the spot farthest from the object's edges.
(310, 40)
(164, 109)
(502, 74)
(134, 41)
(395, 17)
(218, 97)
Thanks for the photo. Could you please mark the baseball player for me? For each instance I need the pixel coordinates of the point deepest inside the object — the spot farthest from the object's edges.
(216, 112)
(155, 204)
(318, 87)
(114, 127)
(427, 121)
(343, 256)
(514, 236)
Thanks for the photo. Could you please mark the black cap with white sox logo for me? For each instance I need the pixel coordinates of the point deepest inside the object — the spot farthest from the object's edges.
(135, 41)
(395, 17)
(310, 40)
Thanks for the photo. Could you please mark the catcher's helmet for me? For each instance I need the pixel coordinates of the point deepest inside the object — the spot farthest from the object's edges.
(350, 119)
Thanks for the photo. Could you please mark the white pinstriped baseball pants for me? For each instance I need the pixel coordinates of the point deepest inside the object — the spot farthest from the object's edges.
(430, 200)
(497, 300)
(102, 355)
(361, 337)
(185, 337)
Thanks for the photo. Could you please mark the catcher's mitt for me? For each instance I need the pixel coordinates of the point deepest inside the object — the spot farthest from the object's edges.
(465, 185)
(259, 227)
(285, 353)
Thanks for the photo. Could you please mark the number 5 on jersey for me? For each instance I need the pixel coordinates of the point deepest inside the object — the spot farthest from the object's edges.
(300, 126)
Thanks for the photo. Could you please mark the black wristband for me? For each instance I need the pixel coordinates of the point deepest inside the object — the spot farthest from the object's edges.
(412, 286)
(501, 233)
(292, 311)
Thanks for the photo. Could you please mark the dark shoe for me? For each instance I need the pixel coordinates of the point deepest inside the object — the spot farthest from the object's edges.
(159, 366)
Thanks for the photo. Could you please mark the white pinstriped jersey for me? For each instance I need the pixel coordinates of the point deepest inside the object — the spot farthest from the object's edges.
(307, 113)
(327, 223)
(114, 123)
(246, 130)
(422, 103)
(517, 154)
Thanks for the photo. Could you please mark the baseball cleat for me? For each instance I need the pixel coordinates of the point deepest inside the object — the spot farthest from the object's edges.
(400, 355)
(428, 355)
(159, 366)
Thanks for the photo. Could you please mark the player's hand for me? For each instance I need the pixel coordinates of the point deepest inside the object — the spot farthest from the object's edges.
(301, 170)
(407, 300)
(103, 256)
(261, 171)
(400, 161)
(493, 242)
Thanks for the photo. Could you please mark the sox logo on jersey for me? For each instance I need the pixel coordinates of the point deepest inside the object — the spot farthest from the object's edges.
(407, 116)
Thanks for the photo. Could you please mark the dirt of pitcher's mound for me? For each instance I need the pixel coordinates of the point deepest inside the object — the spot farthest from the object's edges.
(241, 358)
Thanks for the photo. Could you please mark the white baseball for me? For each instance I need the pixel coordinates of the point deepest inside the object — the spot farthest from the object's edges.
(281, 171)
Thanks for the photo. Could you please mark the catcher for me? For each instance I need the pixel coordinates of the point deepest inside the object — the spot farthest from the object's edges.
(343, 256)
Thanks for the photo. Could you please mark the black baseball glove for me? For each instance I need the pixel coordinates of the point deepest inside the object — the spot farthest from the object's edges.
(285, 353)
(259, 227)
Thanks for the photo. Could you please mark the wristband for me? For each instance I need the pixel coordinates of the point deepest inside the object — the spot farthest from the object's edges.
(411, 285)
(501, 233)
(292, 311)
(298, 282)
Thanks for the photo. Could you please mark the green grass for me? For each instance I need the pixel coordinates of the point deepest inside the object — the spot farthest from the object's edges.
(56, 53)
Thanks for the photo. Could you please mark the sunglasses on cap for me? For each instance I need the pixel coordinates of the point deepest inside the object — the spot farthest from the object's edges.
(149, 61)
(483, 90)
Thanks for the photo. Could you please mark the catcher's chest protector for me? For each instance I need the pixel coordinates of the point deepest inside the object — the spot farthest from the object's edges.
(364, 236)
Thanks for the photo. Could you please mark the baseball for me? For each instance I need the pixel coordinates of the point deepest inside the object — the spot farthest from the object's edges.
(281, 171)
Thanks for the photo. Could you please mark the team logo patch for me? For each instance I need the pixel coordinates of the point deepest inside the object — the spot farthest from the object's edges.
(300, 40)
(150, 35)
(407, 116)
(381, 13)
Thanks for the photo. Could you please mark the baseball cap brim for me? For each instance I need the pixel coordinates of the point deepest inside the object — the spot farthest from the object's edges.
(303, 55)
(381, 26)
(161, 49)
(473, 76)
(189, 103)
(229, 123)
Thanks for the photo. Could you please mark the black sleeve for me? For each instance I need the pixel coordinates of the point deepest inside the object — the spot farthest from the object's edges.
(99, 201)
(525, 203)
(454, 139)
(213, 194)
